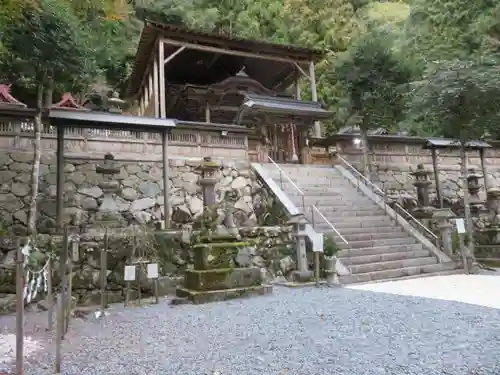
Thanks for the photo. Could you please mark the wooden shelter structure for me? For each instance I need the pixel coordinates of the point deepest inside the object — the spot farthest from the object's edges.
(435, 144)
(207, 78)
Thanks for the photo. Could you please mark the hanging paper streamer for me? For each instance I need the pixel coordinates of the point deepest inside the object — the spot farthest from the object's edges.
(35, 281)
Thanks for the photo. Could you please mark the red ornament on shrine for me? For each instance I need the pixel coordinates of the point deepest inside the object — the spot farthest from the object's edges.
(7, 100)
(68, 102)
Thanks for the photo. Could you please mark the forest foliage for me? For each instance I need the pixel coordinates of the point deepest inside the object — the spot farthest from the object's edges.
(424, 66)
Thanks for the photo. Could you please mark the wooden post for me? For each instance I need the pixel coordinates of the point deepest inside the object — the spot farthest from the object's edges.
(297, 84)
(156, 104)
(483, 167)
(150, 91)
(155, 290)
(104, 269)
(69, 303)
(314, 96)
(19, 308)
(50, 297)
(463, 252)
(64, 281)
(436, 177)
(161, 67)
(166, 187)
(60, 177)
(60, 303)
(316, 265)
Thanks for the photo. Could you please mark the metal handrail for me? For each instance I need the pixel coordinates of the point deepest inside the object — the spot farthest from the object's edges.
(283, 173)
(384, 195)
(330, 224)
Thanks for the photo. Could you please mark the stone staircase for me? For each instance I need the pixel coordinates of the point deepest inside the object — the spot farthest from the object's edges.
(378, 248)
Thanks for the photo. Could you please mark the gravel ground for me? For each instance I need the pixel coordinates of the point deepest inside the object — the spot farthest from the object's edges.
(307, 331)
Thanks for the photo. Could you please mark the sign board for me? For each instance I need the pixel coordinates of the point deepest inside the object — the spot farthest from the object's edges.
(152, 270)
(129, 273)
(317, 243)
(460, 223)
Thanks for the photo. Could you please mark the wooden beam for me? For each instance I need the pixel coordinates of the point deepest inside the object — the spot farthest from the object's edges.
(314, 96)
(172, 56)
(308, 76)
(161, 67)
(226, 51)
(156, 104)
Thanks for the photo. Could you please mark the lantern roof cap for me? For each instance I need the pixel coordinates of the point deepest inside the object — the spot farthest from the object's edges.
(298, 219)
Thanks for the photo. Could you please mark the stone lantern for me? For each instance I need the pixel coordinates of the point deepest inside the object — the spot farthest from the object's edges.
(108, 185)
(422, 183)
(208, 169)
(298, 223)
(115, 104)
(473, 188)
(443, 217)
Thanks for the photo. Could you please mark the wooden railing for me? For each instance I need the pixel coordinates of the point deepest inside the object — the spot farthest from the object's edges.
(186, 140)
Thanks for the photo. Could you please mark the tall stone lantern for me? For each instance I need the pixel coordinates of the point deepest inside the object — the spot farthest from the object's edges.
(298, 223)
(109, 187)
(443, 218)
(473, 188)
(493, 200)
(422, 183)
(208, 169)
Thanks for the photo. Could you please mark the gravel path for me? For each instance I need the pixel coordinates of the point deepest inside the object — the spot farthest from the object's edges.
(307, 331)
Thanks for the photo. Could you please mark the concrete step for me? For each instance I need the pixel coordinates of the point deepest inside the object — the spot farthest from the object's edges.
(457, 271)
(385, 257)
(374, 243)
(378, 250)
(393, 264)
(337, 204)
(323, 226)
(396, 273)
(361, 219)
(371, 236)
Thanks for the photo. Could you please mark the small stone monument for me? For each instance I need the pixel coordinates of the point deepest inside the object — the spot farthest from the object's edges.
(108, 211)
(493, 202)
(473, 187)
(422, 183)
(443, 217)
(214, 276)
(298, 223)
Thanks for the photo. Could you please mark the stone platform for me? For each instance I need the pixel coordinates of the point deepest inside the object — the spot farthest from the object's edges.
(202, 286)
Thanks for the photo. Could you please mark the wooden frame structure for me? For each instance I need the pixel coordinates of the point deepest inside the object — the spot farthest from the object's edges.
(274, 66)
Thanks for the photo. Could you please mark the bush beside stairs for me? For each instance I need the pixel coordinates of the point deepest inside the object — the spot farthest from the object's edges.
(378, 248)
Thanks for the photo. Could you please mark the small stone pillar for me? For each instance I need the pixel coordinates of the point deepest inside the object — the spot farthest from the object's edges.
(208, 180)
(473, 188)
(422, 183)
(109, 186)
(298, 223)
(443, 218)
(493, 202)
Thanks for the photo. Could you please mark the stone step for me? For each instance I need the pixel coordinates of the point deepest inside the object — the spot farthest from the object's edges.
(457, 271)
(384, 257)
(377, 250)
(362, 219)
(392, 229)
(374, 243)
(361, 223)
(321, 225)
(371, 236)
(396, 273)
(338, 203)
(393, 264)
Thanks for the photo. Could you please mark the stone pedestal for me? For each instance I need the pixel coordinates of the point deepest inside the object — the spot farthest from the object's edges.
(214, 278)
(473, 187)
(298, 224)
(493, 203)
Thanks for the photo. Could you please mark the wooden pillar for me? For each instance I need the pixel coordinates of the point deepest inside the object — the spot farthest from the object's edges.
(141, 103)
(156, 104)
(483, 167)
(146, 99)
(439, 193)
(297, 84)
(60, 177)
(314, 95)
(161, 71)
(151, 87)
(166, 187)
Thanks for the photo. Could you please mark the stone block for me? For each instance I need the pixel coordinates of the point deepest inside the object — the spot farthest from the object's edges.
(207, 296)
(225, 278)
(216, 255)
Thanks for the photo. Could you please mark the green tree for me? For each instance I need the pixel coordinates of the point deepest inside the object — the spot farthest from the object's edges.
(373, 79)
(46, 45)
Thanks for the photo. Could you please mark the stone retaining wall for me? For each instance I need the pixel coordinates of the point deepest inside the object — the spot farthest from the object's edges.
(140, 199)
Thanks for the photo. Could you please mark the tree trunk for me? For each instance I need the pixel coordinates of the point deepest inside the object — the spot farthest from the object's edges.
(366, 157)
(467, 213)
(35, 172)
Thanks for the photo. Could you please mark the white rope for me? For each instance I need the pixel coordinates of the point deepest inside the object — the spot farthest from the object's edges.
(35, 281)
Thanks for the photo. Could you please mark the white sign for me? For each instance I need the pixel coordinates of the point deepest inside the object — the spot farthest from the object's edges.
(75, 251)
(152, 270)
(317, 243)
(460, 223)
(129, 273)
